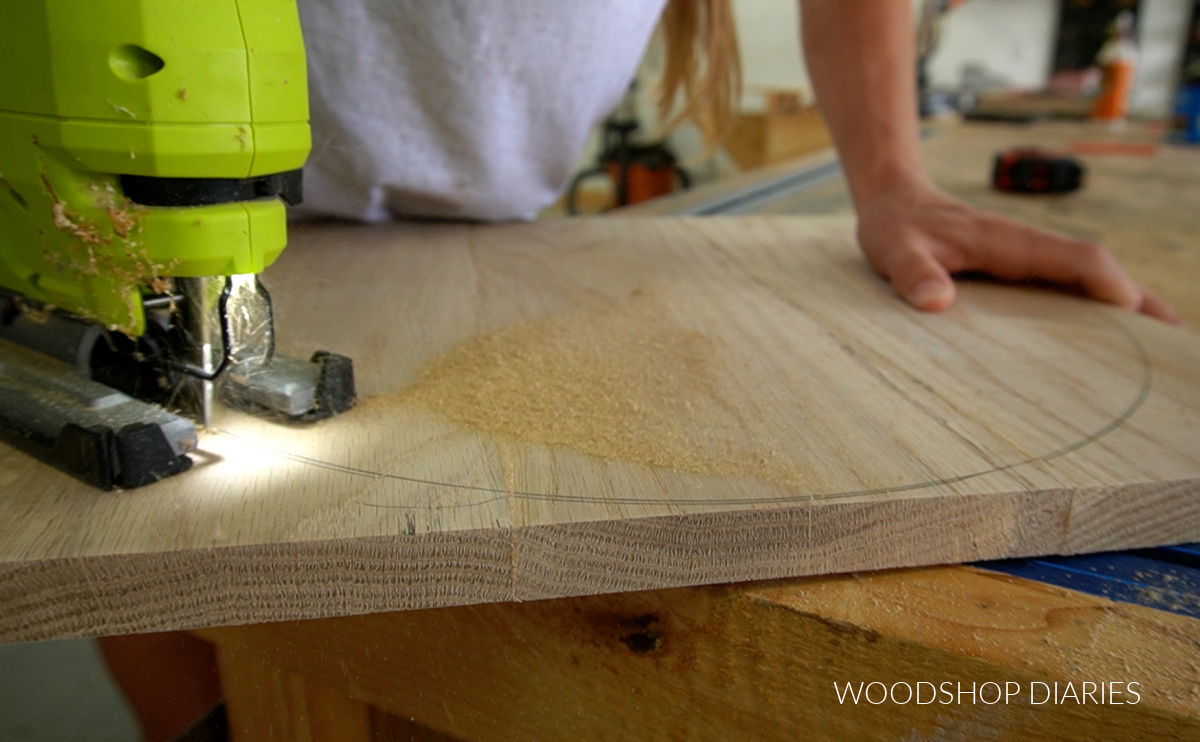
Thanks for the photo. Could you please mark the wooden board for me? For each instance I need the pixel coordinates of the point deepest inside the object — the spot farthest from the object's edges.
(1033, 105)
(618, 405)
(786, 130)
(758, 661)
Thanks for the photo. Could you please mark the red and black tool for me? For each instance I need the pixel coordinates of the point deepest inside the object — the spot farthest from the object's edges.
(638, 171)
(1032, 170)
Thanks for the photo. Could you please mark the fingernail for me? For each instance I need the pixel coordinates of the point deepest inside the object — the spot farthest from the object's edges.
(928, 293)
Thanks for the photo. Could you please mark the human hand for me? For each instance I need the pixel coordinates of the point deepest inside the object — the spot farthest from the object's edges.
(917, 237)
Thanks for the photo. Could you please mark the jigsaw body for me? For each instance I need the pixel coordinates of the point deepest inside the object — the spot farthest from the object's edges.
(147, 150)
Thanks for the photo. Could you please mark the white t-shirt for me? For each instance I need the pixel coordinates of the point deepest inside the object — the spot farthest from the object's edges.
(459, 109)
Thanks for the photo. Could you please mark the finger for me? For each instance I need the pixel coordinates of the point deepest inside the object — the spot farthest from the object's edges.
(1014, 251)
(1152, 306)
(1018, 252)
(917, 276)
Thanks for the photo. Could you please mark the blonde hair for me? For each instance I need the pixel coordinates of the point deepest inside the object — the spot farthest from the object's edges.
(702, 64)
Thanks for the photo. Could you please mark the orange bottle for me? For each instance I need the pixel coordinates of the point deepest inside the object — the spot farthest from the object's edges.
(1118, 63)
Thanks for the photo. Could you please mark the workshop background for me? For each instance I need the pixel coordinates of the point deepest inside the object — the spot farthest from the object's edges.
(988, 47)
(60, 690)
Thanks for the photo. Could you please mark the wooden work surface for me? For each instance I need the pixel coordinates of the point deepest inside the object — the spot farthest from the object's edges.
(759, 661)
(617, 405)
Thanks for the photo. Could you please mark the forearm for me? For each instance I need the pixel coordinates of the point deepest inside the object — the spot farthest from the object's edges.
(860, 59)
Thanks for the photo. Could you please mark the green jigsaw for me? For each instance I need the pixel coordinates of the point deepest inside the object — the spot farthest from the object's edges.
(148, 150)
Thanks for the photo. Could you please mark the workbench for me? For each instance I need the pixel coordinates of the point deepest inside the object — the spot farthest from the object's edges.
(748, 660)
(762, 660)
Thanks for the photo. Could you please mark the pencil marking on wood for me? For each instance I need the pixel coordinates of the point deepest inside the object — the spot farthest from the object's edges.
(500, 494)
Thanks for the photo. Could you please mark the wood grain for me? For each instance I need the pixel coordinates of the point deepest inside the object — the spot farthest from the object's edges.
(266, 704)
(759, 662)
(809, 423)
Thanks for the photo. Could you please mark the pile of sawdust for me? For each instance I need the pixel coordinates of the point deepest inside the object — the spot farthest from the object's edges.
(623, 382)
